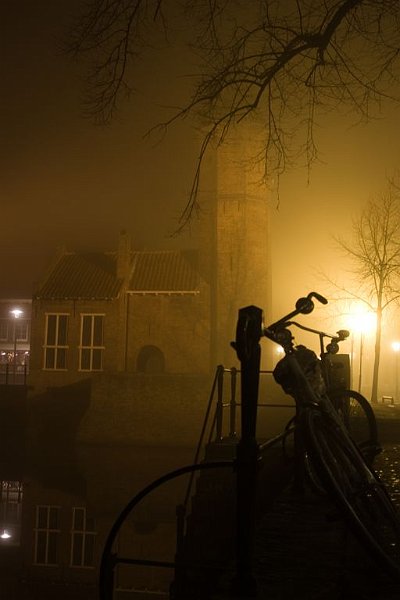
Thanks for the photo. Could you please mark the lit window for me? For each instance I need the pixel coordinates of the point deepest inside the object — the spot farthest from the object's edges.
(91, 348)
(47, 535)
(10, 501)
(21, 331)
(55, 350)
(83, 537)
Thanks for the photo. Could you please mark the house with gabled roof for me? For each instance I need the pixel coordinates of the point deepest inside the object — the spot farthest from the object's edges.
(128, 311)
(168, 314)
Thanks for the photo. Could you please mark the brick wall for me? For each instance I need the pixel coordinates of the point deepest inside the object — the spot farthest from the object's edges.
(144, 409)
(177, 325)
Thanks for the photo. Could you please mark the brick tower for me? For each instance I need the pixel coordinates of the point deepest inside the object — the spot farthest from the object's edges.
(233, 239)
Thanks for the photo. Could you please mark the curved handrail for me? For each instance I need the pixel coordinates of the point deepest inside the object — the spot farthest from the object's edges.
(108, 559)
(217, 376)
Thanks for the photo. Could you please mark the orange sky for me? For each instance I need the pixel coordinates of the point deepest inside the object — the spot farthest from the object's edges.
(63, 180)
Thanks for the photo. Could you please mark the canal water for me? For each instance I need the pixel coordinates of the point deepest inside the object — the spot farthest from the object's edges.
(305, 551)
(58, 505)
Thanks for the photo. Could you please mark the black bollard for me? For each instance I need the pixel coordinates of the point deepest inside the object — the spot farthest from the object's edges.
(248, 333)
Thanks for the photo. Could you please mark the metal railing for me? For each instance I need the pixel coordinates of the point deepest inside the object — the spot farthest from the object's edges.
(214, 420)
(13, 374)
(217, 429)
(223, 398)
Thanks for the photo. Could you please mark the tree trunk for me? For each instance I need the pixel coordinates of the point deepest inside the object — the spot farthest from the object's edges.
(375, 377)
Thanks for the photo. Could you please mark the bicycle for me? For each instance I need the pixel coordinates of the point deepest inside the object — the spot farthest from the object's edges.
(354, 409)
(339, 464)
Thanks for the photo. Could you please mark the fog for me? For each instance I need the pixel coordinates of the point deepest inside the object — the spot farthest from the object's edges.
(66, 181)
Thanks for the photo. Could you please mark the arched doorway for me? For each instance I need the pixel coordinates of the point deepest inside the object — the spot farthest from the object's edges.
(150, 360)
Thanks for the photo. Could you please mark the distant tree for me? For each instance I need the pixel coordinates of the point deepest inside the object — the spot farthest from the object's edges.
(286, 62)
(374, 252)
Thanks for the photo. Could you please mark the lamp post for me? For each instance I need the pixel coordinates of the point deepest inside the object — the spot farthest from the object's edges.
(16, 312)
(363, 322)
(361, 358)
(396, 349)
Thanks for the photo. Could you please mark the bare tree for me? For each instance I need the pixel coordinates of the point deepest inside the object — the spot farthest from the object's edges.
(284, 62)
(374, 251)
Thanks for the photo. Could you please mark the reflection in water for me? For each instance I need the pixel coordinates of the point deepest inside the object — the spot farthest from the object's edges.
(59, 500)
(10, 512)
(56, 517)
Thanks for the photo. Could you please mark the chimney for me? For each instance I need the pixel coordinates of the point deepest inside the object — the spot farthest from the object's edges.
(124, 255)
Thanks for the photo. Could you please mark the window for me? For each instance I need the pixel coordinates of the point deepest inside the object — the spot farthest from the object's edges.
(3, 330)
(91, 348)
(47, 535)
(21, 331)
(10, 501)
(55, 350)
(83, 537)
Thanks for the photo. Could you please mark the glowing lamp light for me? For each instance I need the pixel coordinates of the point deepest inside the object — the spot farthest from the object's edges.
(363, 322)
(16, 312)
(5, 535)
(396, 346)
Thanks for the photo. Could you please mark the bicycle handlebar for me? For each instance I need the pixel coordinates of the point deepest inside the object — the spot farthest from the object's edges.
(304, 306)
(250, 329)
(340, 335)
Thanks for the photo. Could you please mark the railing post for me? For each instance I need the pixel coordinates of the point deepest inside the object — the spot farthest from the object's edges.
(248, 333)
(232, 406)
(107, 589)
(220, 402)
(177, 587)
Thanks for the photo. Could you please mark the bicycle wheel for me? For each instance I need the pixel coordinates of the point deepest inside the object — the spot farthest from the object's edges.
(359, 418)
(289, 453)
(355, 488)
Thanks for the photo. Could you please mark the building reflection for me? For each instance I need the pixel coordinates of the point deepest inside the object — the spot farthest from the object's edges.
(55, 520)
(15, 330)
(10, 513)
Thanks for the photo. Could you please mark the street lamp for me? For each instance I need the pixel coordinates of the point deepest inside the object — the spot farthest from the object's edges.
(16, 312)
(396, 349)
(363, 322)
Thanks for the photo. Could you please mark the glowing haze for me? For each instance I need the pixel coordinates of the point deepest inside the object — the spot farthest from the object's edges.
(63, 180)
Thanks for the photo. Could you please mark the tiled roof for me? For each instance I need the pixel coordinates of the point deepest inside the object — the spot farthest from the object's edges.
(164, 271)
(82, 276)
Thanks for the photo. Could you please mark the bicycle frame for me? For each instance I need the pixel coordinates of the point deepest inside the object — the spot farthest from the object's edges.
(322, 440)
(331, 348)
(306, 396)
(303, 390)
